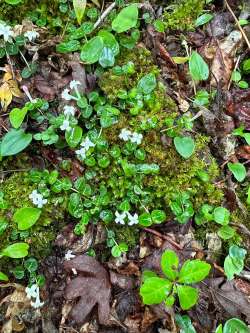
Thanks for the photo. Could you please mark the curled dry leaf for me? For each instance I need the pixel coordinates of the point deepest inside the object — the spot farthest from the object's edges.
(91, 287)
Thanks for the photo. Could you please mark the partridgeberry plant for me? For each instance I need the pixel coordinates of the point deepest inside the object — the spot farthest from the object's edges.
(176, 282)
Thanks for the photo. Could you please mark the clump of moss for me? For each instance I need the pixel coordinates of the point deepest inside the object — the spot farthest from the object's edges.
(181, 14)
(110, 83)
(16, 190)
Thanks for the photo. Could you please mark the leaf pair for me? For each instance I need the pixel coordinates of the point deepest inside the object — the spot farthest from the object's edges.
(155, 290)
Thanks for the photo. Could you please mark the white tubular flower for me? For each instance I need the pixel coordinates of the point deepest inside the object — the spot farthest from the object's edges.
(33, 292)
(65, 95)
(120, 217)
(81, 153)
(87, 143)
(136, 138)
(69, 255)
(31, 35)
(6, 32)
(125, 134)
(69, 110)
(73, 84)
(65, 126)
(132, 219)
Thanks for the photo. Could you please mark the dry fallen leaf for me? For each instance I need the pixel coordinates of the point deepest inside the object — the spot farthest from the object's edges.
(9, 88)
(89, 288)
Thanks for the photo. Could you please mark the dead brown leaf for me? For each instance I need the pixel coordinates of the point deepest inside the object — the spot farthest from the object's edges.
(91, 287)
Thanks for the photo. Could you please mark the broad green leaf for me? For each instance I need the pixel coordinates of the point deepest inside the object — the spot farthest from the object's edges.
(92, 50)
(147, 83)
(126, 19)
(154, 290)
(15, 141)
(73, 137)
(185, 324)
(235, 325)
(68, 47)
(3, 277)
(115, 251)
(193, 271)
(226, 232)
(79, 8)
(17, 250)
(188, 296)
(148, 274)
(237, 252)
(17, 116)
(13, 2)
(106, 58)
(246, 65)
(238, 170)
(232, 267)
(203, 19)
(169, 301)
(145, 219)
(185, 146)
(158, 216)
(31, 265)
(169, 264)
(198, 67)
(26, 217)
(75, 206)
(221, 215)
(109, 41)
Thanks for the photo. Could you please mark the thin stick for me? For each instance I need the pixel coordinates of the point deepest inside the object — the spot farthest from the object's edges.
(238, 24)
(235, 67)
(104, 14)
(169, 239)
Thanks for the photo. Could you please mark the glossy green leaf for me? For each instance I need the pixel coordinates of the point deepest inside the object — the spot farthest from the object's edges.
(188, 296)
(226, 232)
(147, 83)
(235, 325)
(106, 58)
(221, 215)
(126, 19)
(145, 219)
(203, 19)
(185, 146)
(169, 264)
(17, 250)
(68, 47)
(194, 271)
(158, 216)
(154, 290)
(198, 67)
(26, 217)
(3, 277)
(14, 142)
(238, 170)
(17, 116)
(185, 324)
(92, 50)
(73, 137)
(109, 41)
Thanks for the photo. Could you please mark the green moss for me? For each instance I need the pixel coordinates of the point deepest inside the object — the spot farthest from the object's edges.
(181, 14)
(17, 189)
(126, 234)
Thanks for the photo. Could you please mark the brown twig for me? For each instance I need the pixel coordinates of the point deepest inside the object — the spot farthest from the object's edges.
(238, 24)
(169, 239)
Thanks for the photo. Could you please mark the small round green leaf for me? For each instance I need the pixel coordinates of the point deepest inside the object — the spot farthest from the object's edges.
(26, 217)
(17, 250)
(188, 296)
(126, 19)
(145, 219)
(185, 146)
(221, 215)
(92, 50)
(238, 170)
(154, 290)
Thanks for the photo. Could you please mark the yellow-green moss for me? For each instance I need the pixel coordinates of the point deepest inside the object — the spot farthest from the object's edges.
(181, 14)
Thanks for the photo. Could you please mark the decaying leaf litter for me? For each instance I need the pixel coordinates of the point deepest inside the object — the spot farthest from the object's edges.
(124, 151)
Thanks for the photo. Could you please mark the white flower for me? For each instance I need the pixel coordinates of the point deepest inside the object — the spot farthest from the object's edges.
(6, 32)
(65, 126)
(65, 95)
(69, 110)
(31, 35)
(125, 134)
(33, 292)
(120, 217)
(73, 84)
(81, 153)
(132, 219)
(69, 255)
(37, 199)
(87, 143)
(136, 138)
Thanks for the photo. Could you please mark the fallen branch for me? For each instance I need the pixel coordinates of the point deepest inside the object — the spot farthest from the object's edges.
(104, 14)
(169, 239)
